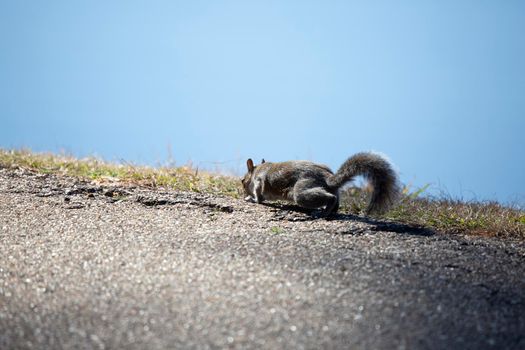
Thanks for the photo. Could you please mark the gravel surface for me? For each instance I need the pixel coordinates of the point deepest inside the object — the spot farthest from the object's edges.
(90, 266)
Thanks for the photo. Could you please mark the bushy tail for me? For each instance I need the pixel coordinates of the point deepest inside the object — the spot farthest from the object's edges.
(378, 171)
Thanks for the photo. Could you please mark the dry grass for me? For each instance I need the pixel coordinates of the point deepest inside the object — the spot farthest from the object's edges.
(440, 214)
(447, 215)
(179, 178)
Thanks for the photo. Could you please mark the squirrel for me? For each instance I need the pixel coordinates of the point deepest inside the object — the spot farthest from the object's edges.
(315, 186)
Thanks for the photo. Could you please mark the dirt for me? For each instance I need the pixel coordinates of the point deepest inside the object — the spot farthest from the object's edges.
(86, 265)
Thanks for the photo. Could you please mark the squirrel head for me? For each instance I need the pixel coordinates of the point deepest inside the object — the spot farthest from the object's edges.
(247, 182)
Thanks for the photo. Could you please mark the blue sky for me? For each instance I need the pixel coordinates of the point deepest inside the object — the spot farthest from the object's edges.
(438, 86)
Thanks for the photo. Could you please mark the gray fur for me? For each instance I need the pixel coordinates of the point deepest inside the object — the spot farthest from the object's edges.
(315, 186)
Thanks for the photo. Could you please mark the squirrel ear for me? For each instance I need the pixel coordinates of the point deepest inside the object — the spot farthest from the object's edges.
(263, 161)
(249, 164)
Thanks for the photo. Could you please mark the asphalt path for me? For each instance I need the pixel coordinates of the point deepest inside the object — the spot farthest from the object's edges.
(109, 266)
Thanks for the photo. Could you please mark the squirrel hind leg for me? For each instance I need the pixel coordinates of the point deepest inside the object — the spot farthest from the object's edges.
(317, 197)
(333, 207)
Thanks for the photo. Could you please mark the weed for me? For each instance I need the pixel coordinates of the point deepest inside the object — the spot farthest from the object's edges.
(276, 230)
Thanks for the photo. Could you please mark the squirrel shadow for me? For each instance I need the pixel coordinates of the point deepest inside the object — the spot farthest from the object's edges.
(292, 212)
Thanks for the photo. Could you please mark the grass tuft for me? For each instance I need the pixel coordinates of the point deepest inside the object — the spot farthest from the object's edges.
(440, 214)
(446, 215)
(178, 178)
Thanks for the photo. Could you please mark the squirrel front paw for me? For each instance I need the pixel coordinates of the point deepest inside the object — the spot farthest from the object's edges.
(249, 199)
